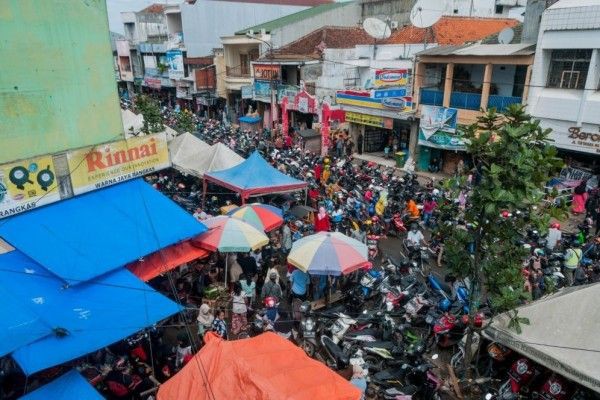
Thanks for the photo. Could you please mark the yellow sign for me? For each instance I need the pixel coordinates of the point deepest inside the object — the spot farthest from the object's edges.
(371, 120)
(107, 164)
(27, 184)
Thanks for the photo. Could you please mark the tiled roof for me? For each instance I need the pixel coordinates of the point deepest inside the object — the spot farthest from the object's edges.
(155, 8)
(328, 37)
(518, 34)
(452, 30)
(291, 18)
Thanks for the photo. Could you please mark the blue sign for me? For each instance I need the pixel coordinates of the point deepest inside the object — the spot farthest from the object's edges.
(385, 93)
(262, 90)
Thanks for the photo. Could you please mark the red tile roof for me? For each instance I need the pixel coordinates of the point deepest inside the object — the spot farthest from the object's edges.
(331, 37)
(155, 8)
(452, 30)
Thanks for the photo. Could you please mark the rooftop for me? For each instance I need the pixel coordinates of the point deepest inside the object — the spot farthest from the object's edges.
(451, 30)
(574, 3)
(517, 29)
(295, 17)
(155, 8)
(518, 49)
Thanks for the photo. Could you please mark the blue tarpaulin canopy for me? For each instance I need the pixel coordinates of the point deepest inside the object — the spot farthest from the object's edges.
(249, 120)
(255, 176)
(89, 235)
(70, 386)
(75, 320)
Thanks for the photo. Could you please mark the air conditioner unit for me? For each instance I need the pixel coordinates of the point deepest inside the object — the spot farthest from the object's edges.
(394, 24)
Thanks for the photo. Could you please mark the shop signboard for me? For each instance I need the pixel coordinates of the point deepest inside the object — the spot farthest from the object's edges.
(289, 91)
(247, 92)
(154, 83)
(389, 93)
(371, 120)
(106, 164)
(175, 64)
(566, 135)
(266, 72)
(391, 77)
(304, 102)
(368, 99)
(438, 128)
(262, 90)
(27, 184)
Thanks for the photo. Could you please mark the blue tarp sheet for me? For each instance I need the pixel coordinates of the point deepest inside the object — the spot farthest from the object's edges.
(255, 176)
(249, 120)
(84, 237)
(70, 386)
(91, 315)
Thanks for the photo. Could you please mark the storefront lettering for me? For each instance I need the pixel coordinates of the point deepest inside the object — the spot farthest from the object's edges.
(98, 160)
(576, 133)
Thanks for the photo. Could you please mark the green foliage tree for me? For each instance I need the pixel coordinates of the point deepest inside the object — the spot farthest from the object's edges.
(150, 110)
(513, 159)
(185, 121)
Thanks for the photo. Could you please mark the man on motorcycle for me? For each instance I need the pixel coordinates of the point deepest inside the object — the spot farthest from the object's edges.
(415, 237)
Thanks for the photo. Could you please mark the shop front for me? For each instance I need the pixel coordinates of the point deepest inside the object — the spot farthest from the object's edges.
(441, 147)
(300, 107)
(579, 146)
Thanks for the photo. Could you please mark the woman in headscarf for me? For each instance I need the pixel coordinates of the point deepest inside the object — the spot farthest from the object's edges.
(205, 319)
(580, 197)
(322, 223)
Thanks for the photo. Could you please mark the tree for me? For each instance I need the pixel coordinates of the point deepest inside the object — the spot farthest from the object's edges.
(150, 110)
(513, 159)
(185, 121)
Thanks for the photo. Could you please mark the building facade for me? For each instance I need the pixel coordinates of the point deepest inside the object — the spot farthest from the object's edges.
(564, 92)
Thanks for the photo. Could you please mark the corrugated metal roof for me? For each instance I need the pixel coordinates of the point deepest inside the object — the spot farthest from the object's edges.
(480, 50)
(574, 3)
(290, 19)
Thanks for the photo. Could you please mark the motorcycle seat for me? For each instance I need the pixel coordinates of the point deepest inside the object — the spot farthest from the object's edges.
(363, 332)
(380, 345)
(391, 374)
(408, 390)
(335, 350)
(333, 311)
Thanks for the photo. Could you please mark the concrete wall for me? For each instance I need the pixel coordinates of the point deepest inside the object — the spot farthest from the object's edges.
(206, 21)
(504, 78)
(57, 86)
(348, 15)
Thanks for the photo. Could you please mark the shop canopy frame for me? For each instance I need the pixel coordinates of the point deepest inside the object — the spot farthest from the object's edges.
(254, 177)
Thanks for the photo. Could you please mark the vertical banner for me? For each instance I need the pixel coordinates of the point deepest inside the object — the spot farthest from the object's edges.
(274, 111)
(175, 64)
(284, 118)
(325, 116)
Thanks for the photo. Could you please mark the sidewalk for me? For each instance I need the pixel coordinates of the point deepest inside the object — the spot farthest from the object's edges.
(391, 163)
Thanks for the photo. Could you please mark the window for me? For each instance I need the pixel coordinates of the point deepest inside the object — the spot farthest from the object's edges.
(244, 64)
(569, 68)
(499, 9)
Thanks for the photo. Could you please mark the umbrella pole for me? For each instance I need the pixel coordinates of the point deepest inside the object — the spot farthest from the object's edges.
(226, 260)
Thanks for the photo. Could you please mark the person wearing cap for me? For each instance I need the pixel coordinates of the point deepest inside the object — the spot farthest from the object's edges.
(554, 235)
(573, 256)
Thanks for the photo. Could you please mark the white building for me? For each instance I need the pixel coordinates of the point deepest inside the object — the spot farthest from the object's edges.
(565, 78)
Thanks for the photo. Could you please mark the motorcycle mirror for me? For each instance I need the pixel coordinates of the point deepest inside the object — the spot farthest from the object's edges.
(488, 396)
(434, 357)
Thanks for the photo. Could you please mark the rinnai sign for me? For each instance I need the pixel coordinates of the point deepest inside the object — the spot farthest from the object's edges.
(107, 164)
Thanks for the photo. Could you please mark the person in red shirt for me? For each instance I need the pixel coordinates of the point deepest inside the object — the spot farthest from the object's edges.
(322, 223)
(318, 170)
(313, 195)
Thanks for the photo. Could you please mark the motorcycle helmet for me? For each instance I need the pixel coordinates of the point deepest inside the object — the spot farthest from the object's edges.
(269, 302)
(555, 225)
(375, 218)
(444, 305)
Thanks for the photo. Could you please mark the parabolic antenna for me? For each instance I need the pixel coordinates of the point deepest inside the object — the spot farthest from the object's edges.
(376, 28)
(427, 12)
(506, 36)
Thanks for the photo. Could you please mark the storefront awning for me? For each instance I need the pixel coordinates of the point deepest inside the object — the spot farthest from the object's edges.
(166, 259)
(89, 235)
(69, 386)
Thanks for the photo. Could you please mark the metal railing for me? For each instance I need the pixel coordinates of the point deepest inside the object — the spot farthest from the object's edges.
(431, 97)
(238, 72)
(501, 102)
(466, 101)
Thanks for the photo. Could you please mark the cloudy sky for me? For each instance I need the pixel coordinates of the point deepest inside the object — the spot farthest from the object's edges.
(115, 7)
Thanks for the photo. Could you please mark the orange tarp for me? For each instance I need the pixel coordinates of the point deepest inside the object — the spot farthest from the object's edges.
(165, 260)
(265, 367)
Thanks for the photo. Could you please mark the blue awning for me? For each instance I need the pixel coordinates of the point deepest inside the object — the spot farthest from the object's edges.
(70, 386)
(89, 235)
(249, 120)
(76, 319)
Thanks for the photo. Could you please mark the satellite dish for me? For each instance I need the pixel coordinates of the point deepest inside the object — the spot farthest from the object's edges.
(376, 28)
(427, 12)
(506, 36)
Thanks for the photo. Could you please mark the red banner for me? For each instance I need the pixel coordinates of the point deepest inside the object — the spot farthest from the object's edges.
(284, 118)
(325, 116)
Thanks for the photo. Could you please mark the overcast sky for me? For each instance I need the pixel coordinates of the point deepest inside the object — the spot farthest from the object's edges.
(115, 7)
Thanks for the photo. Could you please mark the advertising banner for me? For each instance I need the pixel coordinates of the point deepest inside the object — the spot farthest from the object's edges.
(325, 116)
(154, 83)
(368, 100)
(284, 117)
(247, 92)
(566, 135)
(371, 120)
(262, 91)
(26, 185)
(266, 72)
(438, 128)
(107, 164)
(304, 102)
(175, 63)
(391, 77)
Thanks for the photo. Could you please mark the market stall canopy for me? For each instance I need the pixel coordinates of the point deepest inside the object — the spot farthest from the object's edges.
(165, 260)
(557, 337)
(264, 367)
(193, 156)
(261, 216)
(227, 234)
(301, 211)
(70, 386)
(132, 122)
(253, 177)
(89, 235)
(247, 119)
(68, 322)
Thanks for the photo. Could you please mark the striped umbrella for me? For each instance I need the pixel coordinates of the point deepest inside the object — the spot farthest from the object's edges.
(227, 235)
(261, 216)
(328, 253)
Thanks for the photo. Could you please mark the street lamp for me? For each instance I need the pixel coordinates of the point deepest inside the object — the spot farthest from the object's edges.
(272, 81)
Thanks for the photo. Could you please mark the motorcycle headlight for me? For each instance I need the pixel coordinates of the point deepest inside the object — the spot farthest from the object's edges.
(308, 325)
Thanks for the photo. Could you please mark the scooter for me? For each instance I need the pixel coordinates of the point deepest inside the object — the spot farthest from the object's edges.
(520, 376)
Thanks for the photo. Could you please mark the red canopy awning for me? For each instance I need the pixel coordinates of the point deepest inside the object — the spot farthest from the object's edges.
(166, 259)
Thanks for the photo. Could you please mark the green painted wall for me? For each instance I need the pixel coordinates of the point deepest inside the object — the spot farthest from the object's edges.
(57, 82)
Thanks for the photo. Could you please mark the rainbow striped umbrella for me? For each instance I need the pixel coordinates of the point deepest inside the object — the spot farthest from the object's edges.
(328, 253)
(227, 235)
(261, 216)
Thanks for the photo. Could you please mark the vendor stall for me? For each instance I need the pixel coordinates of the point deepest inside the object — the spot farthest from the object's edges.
(250, 122)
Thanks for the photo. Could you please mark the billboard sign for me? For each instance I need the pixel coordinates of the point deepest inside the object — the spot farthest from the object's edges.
(106, 164)
(27, 184)
(391, 77)
(175, 64)
(437, 128)
(266, 72)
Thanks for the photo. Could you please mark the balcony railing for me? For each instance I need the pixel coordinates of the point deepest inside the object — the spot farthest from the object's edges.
(432, 97)
(501, 102)
(238, 72)
(466, 101)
